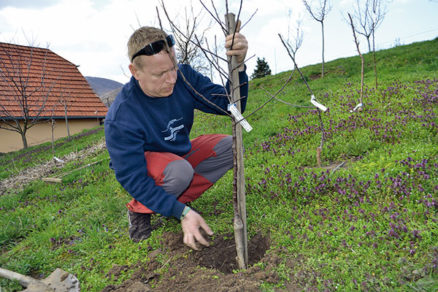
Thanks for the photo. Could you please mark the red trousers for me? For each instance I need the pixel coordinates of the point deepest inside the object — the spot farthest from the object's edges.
(209, 159)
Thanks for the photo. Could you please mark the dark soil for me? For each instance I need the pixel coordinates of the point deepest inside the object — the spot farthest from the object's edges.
(210, 269)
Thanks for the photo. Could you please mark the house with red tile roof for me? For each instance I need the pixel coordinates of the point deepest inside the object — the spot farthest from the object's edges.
(41, 93)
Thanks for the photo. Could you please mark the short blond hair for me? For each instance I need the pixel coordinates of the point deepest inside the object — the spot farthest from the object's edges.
(140, 38)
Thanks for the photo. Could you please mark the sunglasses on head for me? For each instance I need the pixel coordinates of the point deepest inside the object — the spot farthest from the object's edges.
(155, 47)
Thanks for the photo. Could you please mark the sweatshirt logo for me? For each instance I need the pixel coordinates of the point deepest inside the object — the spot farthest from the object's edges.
(172, 129)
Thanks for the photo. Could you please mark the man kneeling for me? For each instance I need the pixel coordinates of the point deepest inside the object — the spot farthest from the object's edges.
(147, 132)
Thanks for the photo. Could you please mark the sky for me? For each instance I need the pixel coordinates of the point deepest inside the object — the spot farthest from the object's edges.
(93, 33)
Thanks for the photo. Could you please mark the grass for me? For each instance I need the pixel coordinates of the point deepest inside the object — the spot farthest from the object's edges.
(14, 162)
(370, 225)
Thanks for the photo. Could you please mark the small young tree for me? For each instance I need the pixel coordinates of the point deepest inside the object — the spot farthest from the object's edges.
(369, 15)
(353, 28)
(231, 26)
(262, 69)
(362, 15)
(66, 101)
(377, 15)
(295, 42)
(319, 14)
(319, 107)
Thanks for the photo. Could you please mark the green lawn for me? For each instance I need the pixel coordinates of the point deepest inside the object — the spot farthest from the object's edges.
(365, 220)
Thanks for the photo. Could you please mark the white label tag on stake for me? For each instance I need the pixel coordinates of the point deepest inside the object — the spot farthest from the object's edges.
(238, 117)
(317, 104)
(356, 107)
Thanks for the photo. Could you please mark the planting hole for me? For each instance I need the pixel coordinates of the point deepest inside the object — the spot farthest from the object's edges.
(221, 255)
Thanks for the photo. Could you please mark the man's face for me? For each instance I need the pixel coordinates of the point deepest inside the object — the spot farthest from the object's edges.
(158, 75)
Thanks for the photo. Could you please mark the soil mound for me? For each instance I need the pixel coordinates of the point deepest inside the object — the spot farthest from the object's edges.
(210, 269)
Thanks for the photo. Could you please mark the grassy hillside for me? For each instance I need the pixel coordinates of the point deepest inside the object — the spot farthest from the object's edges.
(365, 220)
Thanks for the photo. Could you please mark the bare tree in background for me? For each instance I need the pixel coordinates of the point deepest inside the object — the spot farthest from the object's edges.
(362, 14)
(378, 13)
(356, 41)
(187, 51)
(24, 107)
(294, 42)
(369, 15)
(52, 127)
(65, 99)
(320, 107)
(319, 14)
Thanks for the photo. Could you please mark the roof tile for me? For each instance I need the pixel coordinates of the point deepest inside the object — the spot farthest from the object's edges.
(46, 80)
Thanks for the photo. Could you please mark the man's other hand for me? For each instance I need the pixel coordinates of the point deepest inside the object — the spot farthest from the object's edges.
(191, 224)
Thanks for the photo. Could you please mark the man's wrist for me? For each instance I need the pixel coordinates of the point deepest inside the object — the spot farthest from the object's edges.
(184, 212)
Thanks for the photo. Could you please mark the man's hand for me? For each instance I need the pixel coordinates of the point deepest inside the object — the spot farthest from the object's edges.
(190, 225)
(239, 48)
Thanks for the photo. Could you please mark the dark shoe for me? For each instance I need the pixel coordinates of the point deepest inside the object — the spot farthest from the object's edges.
(139, 226)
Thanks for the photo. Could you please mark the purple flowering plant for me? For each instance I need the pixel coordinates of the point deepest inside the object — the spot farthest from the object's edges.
(374, 203)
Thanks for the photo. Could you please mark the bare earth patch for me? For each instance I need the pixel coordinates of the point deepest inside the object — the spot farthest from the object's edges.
(210, 269)
(20, 180)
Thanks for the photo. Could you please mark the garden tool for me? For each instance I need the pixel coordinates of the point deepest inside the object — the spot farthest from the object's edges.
(58, 281)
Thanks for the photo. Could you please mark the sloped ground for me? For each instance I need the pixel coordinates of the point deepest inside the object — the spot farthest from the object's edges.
(388, 240)
(45, 169)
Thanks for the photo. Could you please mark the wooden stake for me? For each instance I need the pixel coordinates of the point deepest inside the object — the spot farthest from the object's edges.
(240, 231)
(318, 156)
(239, 238)
(52, 179)
(59, 179)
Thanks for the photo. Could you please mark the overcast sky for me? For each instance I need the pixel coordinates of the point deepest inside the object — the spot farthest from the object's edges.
(93, 33)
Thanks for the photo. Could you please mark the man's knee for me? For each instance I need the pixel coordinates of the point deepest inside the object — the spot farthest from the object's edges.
(177, 176)
(216, 166)
(224, 151)
(224, 148)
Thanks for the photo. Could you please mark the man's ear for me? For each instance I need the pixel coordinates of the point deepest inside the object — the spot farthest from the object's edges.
(133, 70)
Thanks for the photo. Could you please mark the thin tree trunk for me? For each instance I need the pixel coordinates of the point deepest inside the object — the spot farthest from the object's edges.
(362, 62)
(369, 45)
(374, 60)
(53, 136)
(66, 122)
(361, 59)
(240, 227)
(323, 61)
(24, 139)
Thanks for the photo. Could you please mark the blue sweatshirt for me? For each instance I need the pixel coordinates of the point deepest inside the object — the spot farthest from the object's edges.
(136, 123)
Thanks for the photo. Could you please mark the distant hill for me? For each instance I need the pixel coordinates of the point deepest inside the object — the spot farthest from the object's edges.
(102, 86)
(108, 97)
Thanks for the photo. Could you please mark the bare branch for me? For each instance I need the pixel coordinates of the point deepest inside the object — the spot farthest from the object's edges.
(203, 97)
(295, 43)
(318, 13)
(321, 123)
(29, 94)
(295, 64)
(361, 57)
(249, 19)
(272, 97)
(214, 16)
(320, 16)
(159, 18)
(189, 51)
(292, 105)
